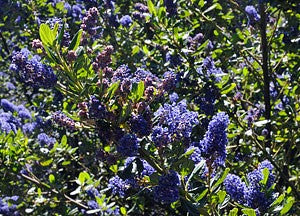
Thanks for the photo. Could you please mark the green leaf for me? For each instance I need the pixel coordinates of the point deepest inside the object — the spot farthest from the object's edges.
(249, 212)
(266, 173)
(137, 91)
(83, 176)
(220, 180)
(135, 50)
(151, 7)
(140, 90)
(51, 55)
(64, 140)
(123, 210)
(221, 195)
(289, 203)
(228, 88)
(233, 212)
(46, 162)
(75, 41)
(55, 29)
(46, 35)
(278, 200)
(112, 89)
(200, 196)
(61, 34)
(51, 178)
(196, 169)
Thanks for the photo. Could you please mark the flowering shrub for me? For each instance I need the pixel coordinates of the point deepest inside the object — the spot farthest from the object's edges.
(149, 107)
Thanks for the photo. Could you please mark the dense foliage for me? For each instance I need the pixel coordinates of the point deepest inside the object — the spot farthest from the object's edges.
(150, 107)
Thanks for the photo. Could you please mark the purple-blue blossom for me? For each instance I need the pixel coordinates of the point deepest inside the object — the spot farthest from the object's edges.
(178, 120)
(167, 189)
(126, 21)
(44, 139)
(213, 145)
(128, 145)
(160, 136)
(118, 186)
(8, 106)
(235, 187)
(252, 14)
(32, 71)
(140, 126)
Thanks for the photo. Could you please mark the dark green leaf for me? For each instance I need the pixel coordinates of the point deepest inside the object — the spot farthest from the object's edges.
(75, 41)
(112, 89)
(61, 34)
(220, 180)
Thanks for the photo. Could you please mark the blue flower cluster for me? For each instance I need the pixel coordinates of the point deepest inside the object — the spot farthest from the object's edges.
(92, 204)
(253, 195)
(252, 15)
(32, 71)
(10, 122)
(207, 100)
(128, 145)
(167, 189)
(140, 126)
(213, 145)
(63, 120)
(7, 207)
(119, 186)
(141, 9)
(96, 109)
(209, 69)
(45, 140)
(126, 21)
(89, 22)
(253, 114)
(175, 123)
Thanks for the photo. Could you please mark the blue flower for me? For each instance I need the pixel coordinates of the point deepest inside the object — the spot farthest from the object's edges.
(28, 128)
(93, 204)
(96, 109)
(252, 15)
(128, 145)
(23, 112)
(173, 97)
(148, 169)
(167, 189)
(213, 146)
(140, 126)
(209, 69)
(63, 120)
(9, 123)
(93, 193)
(196, 155)
(126, 21)
(8, 106)
(235, 187)
(32, 71)
(118, 186)
(178, 120)
(160, 136)
(44, 139)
